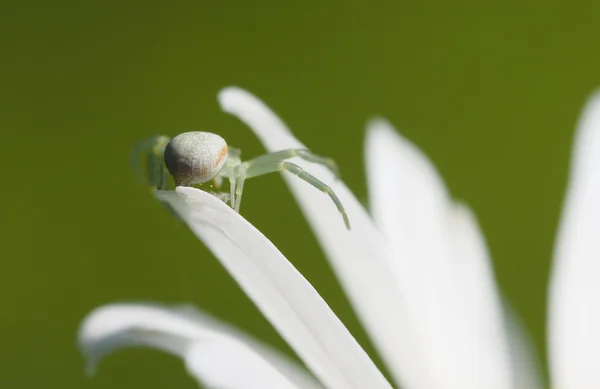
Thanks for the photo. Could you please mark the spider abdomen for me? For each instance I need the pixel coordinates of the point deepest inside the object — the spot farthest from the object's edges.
(195, 157)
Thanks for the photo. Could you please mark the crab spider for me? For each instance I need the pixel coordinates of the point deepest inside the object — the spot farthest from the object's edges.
(196, 157)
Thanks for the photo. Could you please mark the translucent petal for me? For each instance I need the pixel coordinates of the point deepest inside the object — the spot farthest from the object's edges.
(441, 261)
(574, 310)
(360, 257)
(197, 338)
(281, 293)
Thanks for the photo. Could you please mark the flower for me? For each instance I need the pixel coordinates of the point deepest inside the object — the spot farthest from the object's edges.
(416, 271)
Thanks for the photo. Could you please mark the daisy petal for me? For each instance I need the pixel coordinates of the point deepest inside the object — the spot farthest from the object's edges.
(286, 299)
(441, 262)
(487, 338)
(524, 360)
(360, 256)
(201, 342)
(574, 310)
(290, 369)
(226, 364)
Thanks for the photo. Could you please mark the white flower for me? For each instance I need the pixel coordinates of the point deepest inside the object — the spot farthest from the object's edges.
(416, 270)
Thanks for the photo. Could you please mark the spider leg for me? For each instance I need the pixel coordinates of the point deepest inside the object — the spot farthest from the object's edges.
(240, 173)
(230, 171)
(218, 181)
(305, 154)
(150, 152)
(232, 186)
(254, 169)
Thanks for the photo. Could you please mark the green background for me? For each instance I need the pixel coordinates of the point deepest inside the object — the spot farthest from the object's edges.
(490, 92)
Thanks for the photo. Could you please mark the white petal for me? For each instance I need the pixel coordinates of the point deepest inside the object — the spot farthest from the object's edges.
(441, 261)
(117, 326)
(574, 311)
(486, 336)
(286, 299)
(290, 369)
(359, 256)
(524, 359)
(226, 364)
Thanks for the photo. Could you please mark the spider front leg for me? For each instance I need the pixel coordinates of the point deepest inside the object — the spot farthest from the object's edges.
(305, 154)
(253, 168)
(240, 177)
(230, 171)
(150, 152)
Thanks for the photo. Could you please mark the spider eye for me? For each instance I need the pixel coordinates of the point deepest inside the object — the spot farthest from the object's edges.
(195, 157)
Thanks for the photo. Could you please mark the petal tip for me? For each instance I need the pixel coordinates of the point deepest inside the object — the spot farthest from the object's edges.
(380, 132)
(592, 106)
(90, 368)
(381, 129)
(378, 123)
(88, 335)
(595, 96)
(229, 97)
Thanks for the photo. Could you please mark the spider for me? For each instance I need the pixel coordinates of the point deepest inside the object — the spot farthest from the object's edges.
(196, 157)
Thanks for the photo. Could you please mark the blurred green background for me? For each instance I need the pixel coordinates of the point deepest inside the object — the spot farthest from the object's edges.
(490, 92)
